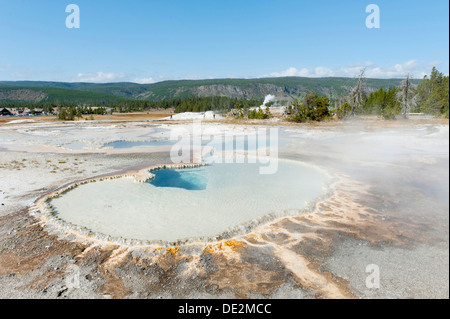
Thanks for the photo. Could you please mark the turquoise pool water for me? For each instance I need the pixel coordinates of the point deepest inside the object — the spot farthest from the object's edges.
(190, 203)
(189, 179)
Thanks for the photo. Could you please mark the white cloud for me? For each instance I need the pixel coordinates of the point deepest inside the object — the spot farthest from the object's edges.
(412, 67)
(161, 78)
(144, 80)
(99, 77)
(102, 77)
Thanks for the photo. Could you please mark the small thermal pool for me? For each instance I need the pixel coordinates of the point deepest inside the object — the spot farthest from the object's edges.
(189, 203)
(75, 146)
(238, 143)
(128, 144)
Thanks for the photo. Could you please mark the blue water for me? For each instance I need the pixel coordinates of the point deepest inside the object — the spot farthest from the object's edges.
(189, 179)
(75, 146)
(127, 144)
(188, 203)
(238, 143)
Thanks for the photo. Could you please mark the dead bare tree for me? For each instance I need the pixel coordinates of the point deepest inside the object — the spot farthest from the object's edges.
(405, 91)
(407, 96)
(357, 96)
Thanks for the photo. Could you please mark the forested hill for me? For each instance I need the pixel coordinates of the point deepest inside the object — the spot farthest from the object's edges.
(36, 94)
(285, 88)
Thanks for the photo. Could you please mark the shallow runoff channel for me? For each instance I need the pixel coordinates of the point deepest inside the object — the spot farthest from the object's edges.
(194, 203)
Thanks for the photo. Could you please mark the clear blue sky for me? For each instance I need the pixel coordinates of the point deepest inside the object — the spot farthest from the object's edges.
(147, 40)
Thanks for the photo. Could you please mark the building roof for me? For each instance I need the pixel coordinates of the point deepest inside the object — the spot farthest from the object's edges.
(5, 110)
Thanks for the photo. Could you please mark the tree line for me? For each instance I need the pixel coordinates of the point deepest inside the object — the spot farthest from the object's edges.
(71, 111)
(187, 104)
(181, 105)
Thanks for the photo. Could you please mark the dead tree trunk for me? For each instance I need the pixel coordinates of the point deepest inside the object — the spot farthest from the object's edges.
(357, 95)
(405, 94)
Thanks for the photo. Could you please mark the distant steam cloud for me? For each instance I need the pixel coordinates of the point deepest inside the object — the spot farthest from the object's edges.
(269, 98)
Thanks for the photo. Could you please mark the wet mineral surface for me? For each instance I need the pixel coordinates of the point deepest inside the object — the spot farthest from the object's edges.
(388, 208)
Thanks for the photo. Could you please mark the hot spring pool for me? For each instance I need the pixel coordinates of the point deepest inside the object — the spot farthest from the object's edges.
(189, 203)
